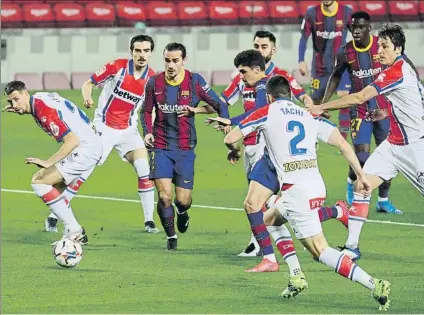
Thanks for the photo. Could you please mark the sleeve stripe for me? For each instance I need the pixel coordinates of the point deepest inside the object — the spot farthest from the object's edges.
(253, 122)
(392, 85)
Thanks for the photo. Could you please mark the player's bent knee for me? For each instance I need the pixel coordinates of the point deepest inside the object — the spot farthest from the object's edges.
(183, 204)
(165, 198)
(251, 205)
(136, 154)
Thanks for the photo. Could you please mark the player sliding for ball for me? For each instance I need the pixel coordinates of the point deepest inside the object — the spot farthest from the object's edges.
(81, 149)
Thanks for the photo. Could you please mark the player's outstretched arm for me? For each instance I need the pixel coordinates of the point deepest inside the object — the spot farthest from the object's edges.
(190, 111)
(232, 141)
(70, 142)
(209, 96)
(87, 92)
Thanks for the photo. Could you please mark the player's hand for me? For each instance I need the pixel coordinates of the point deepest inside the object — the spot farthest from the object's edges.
(377, 114)
(316, 110)
(364, 184)
(38, 162)
(88, 103)
(326, 115)
(303, 68)
(233, 156)
(221, 121)
(149, 140)
(188, 111)
(9, 109)
(226, 130)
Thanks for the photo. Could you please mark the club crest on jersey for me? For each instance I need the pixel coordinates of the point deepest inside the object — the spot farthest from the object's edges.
(375, 58)
(101, 71)
(43, 119)
(339, 23)
(420, 177)
(185, 94)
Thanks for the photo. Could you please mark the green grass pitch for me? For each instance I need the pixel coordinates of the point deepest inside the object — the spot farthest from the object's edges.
(125, 270)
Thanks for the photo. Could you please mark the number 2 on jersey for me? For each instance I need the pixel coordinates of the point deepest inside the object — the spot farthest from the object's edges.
(296, 126)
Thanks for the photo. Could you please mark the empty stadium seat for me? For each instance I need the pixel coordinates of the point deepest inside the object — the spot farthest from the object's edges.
(403, 10)
(302, 80)
(192, 13)
(223, 12)
(100, 14)
(352, 4)
(38, 15)
(221, 77)
(253, 12)
(69, 14)
(305, 5)
(283, 12)
(32, 80)
(129, 13)
(79, 78)
(11, 16)
(56, 81)
(161, 13)
(377, 9)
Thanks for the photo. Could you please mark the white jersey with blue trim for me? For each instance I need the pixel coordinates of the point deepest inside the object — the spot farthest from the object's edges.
(58, 116)
(290, 134)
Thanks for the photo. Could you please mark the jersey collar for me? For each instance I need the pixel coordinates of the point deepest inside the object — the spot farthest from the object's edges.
(32, 105)
(325, 13)
(179, 81)
(282, 99)
(270, 68)
(145, 73)
(366, 48)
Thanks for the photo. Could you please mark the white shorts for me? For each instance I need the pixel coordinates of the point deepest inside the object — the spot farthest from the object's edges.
(299, 204)
(388, 160)
(252, 154)
(80, 160)
(124, 141)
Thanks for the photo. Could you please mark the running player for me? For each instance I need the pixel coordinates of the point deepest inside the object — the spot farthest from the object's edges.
(116, 120)
(81, 149)
(290, 134)
(173, 138)
(360, 58)
(328, 24)
(403, 149)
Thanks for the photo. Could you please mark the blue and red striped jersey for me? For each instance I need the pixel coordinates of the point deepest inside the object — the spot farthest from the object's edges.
(363, 66)
(170, 131)
(329, 33)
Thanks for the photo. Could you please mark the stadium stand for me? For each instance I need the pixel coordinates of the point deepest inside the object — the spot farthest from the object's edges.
(79, 78)
(221, 77)
(33, 80)
(47, 13)
(56, 81)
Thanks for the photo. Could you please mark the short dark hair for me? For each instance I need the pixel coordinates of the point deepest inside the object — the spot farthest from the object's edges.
(175, 47)
(250, 58)
(361, 15)
(13, 86)
(395, 33)
(142, 38)
(265, 34)
(278, 86)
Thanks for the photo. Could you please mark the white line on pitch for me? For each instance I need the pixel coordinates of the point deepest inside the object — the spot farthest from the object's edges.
(195, 206)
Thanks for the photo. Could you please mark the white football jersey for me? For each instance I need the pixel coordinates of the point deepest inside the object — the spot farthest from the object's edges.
(290, 134)
(399, 83)
(58, 116)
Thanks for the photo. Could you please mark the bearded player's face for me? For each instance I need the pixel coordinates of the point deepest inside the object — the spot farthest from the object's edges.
(174, 63)
(265, 47)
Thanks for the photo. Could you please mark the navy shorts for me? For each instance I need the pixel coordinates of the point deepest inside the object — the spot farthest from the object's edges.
(264, 173)
(175, 164)
(319, 84)
(362, 130)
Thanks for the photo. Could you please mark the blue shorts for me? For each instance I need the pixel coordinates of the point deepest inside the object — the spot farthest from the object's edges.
(175, 164)
(319, 84)
(264, 173)
(362, 130)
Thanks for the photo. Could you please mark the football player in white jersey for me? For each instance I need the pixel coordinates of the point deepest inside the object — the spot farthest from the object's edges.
(81, 149)
(290, 134)
(403, 150)
(116, 119)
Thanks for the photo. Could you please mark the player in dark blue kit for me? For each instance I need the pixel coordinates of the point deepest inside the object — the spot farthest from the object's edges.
(172, 138)
(361, 59)
(328, 24)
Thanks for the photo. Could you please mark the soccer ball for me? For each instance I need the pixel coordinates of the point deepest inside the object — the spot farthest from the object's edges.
(67, 253)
